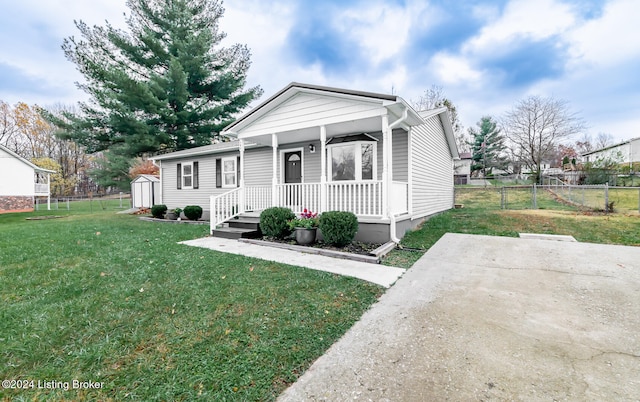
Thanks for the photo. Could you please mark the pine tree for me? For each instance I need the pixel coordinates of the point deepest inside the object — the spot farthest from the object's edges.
(163, 85)
(487, 147)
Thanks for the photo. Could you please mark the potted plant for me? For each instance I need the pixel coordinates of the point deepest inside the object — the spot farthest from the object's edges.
(305, 227)
(174, 214)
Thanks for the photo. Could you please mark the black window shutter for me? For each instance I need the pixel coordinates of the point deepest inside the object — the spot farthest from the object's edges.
(195, 175)
(179, 176)
(218, 173)
(238, 172)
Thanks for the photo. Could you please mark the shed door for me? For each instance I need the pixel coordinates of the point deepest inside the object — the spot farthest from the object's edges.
(146, 195)
(136, 190)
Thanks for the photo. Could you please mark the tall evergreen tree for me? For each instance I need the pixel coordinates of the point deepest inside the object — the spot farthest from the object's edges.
(166, 84)
(487, 147)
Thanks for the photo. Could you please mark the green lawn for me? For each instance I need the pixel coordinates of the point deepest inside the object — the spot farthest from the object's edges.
(95, 296)
(482, 215)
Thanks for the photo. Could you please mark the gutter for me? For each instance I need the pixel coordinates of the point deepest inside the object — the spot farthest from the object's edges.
(392, 219)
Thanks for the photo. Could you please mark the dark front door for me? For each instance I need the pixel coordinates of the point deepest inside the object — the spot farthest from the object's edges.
(293, 174)
(293, 167)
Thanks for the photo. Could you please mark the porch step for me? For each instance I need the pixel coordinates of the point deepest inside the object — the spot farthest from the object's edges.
(236, 233)
(244, 226)
(245, 222)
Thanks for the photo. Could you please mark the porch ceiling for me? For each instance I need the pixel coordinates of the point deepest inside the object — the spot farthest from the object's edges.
(368, 125)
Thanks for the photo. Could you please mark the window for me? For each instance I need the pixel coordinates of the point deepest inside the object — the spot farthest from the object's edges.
(229, 172)
(187, 175)
(352, 161)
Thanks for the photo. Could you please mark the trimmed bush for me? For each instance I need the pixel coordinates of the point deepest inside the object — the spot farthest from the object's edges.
(193, 212)
(338, 227)
(274, 222)
(158, 211)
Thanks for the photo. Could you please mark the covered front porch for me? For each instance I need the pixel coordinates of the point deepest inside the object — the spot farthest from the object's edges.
(330, 149)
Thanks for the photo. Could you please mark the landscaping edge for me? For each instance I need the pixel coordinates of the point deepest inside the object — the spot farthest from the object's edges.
(373, 259)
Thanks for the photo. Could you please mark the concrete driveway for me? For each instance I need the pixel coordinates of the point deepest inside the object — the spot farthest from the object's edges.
(494, 318)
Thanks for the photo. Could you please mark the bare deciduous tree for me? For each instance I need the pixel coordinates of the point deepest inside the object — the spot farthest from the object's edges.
(584, 144)
(603, 140)
(536, 125)
(434, 98)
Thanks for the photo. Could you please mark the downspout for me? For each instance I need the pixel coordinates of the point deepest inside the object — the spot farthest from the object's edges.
(392, 218)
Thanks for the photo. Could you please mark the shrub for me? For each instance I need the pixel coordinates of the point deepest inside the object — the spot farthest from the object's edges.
(338, 227)
(158, 211)
(193, 212)
(274, 222)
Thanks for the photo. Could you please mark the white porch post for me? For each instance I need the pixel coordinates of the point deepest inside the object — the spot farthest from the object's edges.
(385, 165)
(48, 191)
(323, 169)
(274, 180)
(410, 172)
(242, 200)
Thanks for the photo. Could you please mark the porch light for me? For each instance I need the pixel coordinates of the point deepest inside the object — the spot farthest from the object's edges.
(312, 148)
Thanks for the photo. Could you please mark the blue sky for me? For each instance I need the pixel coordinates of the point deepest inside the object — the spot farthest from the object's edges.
(485, 54)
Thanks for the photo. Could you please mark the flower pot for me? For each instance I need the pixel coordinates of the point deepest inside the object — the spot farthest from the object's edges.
(172, 216)
(305, 236)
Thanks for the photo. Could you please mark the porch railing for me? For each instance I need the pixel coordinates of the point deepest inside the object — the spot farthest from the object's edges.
(41, 188)
(299, 196)
(257, 198)
(225, 206)
(363, 198)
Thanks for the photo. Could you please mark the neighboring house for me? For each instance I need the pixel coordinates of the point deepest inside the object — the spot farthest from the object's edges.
(462, 169)
(20, 182)
(626, 152)
(323, 149)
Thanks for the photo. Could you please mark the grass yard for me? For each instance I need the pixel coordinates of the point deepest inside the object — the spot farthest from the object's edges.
(482, 215)
(94, 296)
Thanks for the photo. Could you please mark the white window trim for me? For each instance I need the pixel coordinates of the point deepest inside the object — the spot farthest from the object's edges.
(184, 186)
(282, 162)
(235, 172)
(358, 160)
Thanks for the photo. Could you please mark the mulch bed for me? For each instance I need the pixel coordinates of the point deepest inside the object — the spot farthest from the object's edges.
(353, 248)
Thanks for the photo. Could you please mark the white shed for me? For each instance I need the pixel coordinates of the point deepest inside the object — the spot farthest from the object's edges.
(145, 191)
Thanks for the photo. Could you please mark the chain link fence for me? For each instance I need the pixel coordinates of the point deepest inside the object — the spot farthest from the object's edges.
(556, 196)
(119, 201)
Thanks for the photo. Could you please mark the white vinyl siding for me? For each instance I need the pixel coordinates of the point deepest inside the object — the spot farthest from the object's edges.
(400, 156)
(18, 178)
(432, 169)
(311, 110)
(172, 197)
(258, 167)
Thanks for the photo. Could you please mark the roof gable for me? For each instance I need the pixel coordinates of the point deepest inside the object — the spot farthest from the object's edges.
(23, 160)
(302, 106)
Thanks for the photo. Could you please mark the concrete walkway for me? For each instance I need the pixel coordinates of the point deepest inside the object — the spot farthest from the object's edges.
(494, 318)
(379, 274)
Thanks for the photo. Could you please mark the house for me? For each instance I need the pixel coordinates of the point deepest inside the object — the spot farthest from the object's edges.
(323, 149)
(462, 168)
(624, 153)
(145, 191)
(21, 182)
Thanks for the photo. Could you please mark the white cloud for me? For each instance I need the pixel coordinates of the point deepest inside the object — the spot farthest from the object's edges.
(611, 39)
(522, 18)
(454, 70)
(380, 29)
